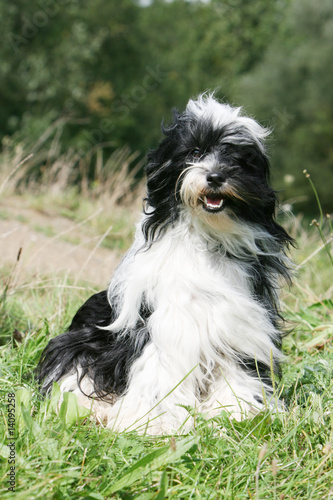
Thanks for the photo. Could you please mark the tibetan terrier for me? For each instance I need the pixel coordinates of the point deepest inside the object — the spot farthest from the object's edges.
(191, 317)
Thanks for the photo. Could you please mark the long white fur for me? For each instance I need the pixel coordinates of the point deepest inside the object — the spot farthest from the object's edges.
(223, 115)
(204, 314)
(205, 317)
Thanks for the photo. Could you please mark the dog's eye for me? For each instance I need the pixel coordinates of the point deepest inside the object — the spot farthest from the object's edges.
(196, 154)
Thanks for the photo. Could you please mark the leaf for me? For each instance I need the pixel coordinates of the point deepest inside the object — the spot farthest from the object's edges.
(55, 397)
(49, 445)
(153, 461)
(32, 426)
(319, 340)
(262, 424)
(319, 305)
(163, 486)
(93, 496)
(70, 412)
(22, 396)
(4, 451)
(22, 400)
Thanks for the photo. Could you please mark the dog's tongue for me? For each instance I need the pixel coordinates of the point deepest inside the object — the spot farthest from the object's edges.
(215, 202)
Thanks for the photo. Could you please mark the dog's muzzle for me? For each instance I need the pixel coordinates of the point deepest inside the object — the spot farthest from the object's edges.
(213, 201)
(207, 187)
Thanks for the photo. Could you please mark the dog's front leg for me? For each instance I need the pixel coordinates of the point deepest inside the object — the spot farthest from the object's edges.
(164, 378)
(154, 396)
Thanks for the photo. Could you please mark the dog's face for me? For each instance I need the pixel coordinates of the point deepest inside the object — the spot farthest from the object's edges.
(213, 163)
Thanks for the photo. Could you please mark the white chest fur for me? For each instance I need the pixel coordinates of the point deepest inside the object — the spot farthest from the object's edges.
(204, 321)
(202, 308)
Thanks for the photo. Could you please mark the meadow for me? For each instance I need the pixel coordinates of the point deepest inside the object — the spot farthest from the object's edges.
(45, 453)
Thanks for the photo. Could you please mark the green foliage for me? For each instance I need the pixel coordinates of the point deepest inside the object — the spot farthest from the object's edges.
(101, 75)
(114, 71)
(110, 71)
(291, 88)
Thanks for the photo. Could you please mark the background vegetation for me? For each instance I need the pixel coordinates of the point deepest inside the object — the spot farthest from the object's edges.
(96, 75)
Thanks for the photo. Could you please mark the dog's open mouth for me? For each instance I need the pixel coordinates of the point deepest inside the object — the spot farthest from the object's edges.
(213, 203)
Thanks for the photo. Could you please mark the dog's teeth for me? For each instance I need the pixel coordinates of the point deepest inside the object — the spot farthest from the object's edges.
(213, 205)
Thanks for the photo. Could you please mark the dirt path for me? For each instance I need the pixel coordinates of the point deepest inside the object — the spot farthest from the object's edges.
(46, 249)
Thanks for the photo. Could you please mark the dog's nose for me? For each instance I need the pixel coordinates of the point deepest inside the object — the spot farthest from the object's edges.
(215, 179)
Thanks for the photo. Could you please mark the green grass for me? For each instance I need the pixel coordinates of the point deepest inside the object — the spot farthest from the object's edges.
(46, 230)
(94, 217)
(64, 455)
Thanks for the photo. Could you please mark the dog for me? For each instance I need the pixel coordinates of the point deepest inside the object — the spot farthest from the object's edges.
(191, 318)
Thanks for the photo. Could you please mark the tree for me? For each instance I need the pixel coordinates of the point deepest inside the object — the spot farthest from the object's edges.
(292, 90)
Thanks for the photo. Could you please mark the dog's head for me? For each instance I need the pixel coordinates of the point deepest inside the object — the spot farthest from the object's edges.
(212, 163)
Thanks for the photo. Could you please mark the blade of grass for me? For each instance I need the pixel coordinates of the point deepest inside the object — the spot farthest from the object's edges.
(153, 461)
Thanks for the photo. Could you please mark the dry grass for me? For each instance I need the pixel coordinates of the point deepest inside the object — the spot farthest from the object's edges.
(313, 280)
(43, 168)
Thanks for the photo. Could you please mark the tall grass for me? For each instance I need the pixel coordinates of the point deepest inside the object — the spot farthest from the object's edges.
(43, 167)
(99, 193)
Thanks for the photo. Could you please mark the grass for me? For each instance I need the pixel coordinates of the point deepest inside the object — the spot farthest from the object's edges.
(93, 217)
(65, 455)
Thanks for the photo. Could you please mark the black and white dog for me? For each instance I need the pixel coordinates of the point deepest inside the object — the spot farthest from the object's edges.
(191, 316)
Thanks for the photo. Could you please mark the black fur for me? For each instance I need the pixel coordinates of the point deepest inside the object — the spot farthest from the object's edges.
(245, 166)
(243, 163)
(87, 345)
(106, 357)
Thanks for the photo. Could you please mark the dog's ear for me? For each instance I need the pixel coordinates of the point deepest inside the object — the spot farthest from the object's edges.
(163, 153)
(255, 160)
(168, 129)
(156, 158)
